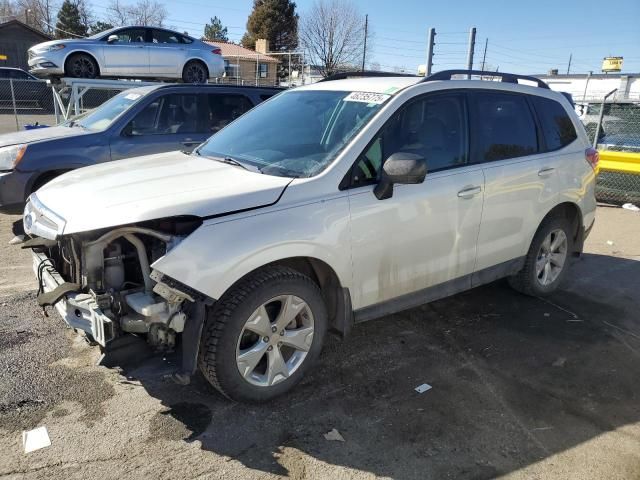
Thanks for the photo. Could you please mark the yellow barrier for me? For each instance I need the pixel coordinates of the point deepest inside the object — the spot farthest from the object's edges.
(619, 161)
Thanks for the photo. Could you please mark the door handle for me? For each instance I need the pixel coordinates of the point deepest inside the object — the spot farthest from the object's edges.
(469, 192)
(545, 172)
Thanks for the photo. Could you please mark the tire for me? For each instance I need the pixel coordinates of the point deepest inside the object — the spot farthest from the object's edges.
(81, 65)
(195, 72)
(228, 337)
(531, 280)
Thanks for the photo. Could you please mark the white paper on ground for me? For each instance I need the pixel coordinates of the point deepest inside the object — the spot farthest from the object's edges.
(35, 439)
(423, 388)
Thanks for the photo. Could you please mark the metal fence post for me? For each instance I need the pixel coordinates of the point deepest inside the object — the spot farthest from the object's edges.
(13, 100)
(601, 116)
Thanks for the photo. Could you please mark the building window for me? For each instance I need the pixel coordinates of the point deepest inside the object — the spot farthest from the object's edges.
(263, 70)
(230, 69)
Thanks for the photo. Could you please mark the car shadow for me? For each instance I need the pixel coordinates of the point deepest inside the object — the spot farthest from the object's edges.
(514, 379)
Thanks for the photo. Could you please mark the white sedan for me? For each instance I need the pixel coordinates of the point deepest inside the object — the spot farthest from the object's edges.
(141, 52)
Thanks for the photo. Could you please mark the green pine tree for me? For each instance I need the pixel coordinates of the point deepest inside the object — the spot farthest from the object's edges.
(69, 23)
(274, 20)
(215, 31)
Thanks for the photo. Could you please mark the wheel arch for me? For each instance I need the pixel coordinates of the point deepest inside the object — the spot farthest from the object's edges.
(573, 213)
(194, 59)
(45, 177)
(86, 52)
(337, 298)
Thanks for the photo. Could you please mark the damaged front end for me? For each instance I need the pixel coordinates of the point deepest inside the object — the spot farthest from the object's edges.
(101, 282)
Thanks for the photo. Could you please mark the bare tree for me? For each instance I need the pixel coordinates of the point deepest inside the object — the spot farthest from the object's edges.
(332, 32)
(144, 12)
(40, 14)
(86, 14)
(8, 9)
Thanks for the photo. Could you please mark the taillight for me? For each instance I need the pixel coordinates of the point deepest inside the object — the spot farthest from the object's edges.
(216, 51)
(592, 156)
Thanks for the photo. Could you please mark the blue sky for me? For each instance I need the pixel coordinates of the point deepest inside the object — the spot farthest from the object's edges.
(524, 36)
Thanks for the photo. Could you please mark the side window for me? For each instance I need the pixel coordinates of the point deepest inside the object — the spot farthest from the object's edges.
(131, 35)
(163, 36)
(557, 127)
(4, 73)
(506, 128)
(18, 75)
(433, 127)
(225, 108)
(171, 114)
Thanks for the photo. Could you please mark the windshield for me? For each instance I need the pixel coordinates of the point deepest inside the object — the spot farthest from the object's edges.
(297, 133)
(103, 116)
(99, 35)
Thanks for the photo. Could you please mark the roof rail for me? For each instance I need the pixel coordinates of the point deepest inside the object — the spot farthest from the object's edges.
(506, 77)
(345, 75)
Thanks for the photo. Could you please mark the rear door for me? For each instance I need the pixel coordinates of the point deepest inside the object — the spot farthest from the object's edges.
(167, 53)
(520, 178)
(173, 121)
(424, 235)
(129, 55)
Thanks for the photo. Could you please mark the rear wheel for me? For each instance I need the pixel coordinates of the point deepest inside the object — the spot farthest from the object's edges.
(81, 65)
(547, 261)
(263, 335)
(195, 72)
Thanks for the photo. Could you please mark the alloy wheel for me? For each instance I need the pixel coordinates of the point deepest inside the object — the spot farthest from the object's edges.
(275, 340)
(196, 73)
(82, 67)
(551, 257)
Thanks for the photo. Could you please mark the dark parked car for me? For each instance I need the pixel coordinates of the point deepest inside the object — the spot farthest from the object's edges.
(28, 91)
(140, 121)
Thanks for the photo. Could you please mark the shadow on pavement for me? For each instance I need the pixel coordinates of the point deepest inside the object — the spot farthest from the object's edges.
(515, 380)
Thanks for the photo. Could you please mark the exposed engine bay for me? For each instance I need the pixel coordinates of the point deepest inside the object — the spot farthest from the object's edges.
(109, 272)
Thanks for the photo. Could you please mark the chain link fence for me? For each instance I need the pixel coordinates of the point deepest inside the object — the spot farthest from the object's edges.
(24, 103)
(618, 127)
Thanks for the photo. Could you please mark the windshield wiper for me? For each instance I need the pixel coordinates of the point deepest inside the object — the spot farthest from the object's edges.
(229, 161)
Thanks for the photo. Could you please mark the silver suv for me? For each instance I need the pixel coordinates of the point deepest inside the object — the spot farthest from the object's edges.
(325, 206)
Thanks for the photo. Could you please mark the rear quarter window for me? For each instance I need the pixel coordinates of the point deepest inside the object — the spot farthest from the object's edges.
(557, 128)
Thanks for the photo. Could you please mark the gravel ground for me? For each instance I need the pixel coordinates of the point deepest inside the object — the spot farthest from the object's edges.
(522, 388)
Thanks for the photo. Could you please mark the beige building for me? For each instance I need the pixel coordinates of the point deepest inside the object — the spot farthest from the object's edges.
(248, 67)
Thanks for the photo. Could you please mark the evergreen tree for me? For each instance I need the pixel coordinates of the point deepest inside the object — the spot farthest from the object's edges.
(100, 26)
(215, 31)
(274, 20)
(69, 23)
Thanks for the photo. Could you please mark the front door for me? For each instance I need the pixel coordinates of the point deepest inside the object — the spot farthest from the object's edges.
(424, 235)
(129, 55)
(174, 121)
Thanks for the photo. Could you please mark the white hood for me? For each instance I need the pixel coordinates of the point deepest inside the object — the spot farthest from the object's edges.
(155, 186)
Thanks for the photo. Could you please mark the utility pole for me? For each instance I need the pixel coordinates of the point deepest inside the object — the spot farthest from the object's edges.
(569, 66)
(484, 55)
(430, 43)
(472, 44)
(366, 28)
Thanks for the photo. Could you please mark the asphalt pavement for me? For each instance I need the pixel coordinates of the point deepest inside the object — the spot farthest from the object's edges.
(521, 388)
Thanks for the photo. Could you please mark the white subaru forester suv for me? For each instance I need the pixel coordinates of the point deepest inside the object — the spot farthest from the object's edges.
(325, 206)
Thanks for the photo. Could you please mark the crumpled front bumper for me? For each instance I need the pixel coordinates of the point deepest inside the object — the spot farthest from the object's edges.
(79, 310)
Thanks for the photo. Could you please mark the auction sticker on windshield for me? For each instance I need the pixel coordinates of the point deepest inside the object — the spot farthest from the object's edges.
(367, 97)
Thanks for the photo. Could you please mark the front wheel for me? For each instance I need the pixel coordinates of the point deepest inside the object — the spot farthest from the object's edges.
(547, 261)
(81, 65)
(263, 335)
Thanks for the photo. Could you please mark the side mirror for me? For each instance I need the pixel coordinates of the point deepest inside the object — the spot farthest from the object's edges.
(128, 130)
(401, 168)
(112, 39)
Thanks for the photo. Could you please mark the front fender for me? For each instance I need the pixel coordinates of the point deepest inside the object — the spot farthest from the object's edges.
(218, 254)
